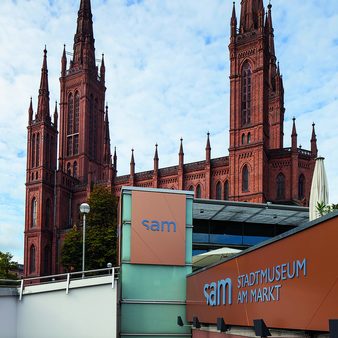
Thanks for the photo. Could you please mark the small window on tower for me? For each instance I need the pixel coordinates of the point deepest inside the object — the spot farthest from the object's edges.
(249, 138)
(245, 179)
(243, 138)
(75, 169)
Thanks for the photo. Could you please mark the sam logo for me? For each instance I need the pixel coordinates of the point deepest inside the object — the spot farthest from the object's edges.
(163, 226)
(216, 293)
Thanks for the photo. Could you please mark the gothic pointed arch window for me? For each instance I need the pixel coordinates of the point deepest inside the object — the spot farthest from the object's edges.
(198, 191)
(47, 220)
(37, 149)
(75, 169)
(301, 187)
(33, 212)
(243, 138)
(280, 186)
(33, 151)
(249, 138)
(246, 94)
(69, 170)
(226, 190)
(32, 254)
(245, 179)
(70, 124)
(218, 191)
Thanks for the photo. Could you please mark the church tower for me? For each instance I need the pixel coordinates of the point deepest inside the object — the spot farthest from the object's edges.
(255, 88)
(40, 178)
(82, 102)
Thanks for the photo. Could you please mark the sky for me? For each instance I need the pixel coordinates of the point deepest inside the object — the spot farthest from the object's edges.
(167, 77)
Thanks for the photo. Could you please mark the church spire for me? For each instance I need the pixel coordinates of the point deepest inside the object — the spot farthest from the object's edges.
(102, 70)
(294, 135)
(181, 154)
(233, 21)
(314, 149)
(132, 164)
(43, 100)
(84, 51)
(64, 62)
(107, 154)
(56, 115)
(30, 112)
(252, 15)
(156, 159)
(208, 149)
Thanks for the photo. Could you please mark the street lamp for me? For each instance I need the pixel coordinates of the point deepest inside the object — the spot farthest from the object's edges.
(84, 209)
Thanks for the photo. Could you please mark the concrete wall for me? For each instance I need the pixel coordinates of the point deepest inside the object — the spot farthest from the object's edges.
(8, 313)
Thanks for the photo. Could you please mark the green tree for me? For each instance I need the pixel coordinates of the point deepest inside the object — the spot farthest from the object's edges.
(71, 257)
(101, 238)
(7, 266)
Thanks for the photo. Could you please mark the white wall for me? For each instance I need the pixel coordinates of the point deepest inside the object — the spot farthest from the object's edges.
(46, 311)
(8, 315)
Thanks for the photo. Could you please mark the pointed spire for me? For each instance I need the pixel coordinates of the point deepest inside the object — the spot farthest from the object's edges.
(56, 115)
(115, 159)
(107, 154)
(156, 159)
(181, 154)
(132, 164)
(233, 21)
(294, 135)
(208, 149)
(84, 51)
(43, 101)
(269, 31)
(314, 149)
(30, 111)
(252, 15)
(64, 62)
(102, 70)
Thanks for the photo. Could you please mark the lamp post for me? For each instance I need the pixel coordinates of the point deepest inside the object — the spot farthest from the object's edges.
(84, 209)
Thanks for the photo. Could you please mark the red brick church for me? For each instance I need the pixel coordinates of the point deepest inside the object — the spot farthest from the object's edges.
(257, 169)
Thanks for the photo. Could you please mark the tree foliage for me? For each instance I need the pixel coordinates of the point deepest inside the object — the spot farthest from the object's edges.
(7, 266)
(101, 238)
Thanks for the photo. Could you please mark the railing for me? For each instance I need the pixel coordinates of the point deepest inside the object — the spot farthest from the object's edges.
(64, 277)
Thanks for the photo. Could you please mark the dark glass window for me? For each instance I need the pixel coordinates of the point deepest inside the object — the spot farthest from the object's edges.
(218, 191)
(301, 187)
(245, 179)
(249, 138)
(243, 138)
(69, 171)
(246, 94)
(280, 187)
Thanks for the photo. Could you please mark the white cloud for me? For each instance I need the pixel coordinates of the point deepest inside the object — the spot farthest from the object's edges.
(167, 77)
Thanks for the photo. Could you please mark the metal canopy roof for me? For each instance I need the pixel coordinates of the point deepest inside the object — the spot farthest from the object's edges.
(267, 213)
